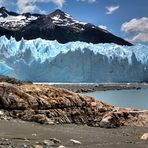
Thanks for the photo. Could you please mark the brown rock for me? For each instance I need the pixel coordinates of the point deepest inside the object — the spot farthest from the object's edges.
(50, 105)
(38, 146)
(144, 136)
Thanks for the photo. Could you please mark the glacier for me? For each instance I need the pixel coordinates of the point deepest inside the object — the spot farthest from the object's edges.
(42, 60)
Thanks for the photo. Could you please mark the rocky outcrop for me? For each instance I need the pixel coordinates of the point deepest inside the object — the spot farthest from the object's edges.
(11, 80)
(51, 105)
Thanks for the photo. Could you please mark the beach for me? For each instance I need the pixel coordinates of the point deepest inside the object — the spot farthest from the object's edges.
(21, 134)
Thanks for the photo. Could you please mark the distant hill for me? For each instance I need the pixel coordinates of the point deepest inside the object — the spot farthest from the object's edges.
(11, 80)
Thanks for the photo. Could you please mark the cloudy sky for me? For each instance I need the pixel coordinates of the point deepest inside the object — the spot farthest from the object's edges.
(125, 18)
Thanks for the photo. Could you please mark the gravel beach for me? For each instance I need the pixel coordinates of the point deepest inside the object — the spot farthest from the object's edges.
(16, 133)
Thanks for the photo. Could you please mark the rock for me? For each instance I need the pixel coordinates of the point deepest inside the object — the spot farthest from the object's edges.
(38, 146)
(43, 119)
(48, 143)
(26, 140)
(61, 146)
(34, 134)
(74, 142)
(55, 141)
(50, 105)
(144, 136)
(1, 113)
(109, 121)
(23, 146)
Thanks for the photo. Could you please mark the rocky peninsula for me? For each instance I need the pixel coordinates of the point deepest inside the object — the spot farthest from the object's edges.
(50, 105)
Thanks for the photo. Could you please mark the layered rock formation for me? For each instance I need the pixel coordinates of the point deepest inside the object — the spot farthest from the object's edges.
(50, 105)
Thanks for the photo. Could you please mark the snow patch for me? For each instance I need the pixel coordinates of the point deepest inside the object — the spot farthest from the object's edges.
(15, 22)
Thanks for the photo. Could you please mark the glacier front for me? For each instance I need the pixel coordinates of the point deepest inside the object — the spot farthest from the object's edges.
(49, 61)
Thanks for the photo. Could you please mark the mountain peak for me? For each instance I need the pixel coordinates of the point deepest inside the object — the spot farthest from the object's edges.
(2, 8)
(58, 12)
(61, 18)
(3, 12)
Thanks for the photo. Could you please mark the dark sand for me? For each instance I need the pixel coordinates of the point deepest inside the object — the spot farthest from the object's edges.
(90, 137)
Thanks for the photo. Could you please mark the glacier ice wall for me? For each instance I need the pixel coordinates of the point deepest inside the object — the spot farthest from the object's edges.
(49, 61)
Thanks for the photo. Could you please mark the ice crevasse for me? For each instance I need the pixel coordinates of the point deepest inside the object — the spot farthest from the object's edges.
(41, 60)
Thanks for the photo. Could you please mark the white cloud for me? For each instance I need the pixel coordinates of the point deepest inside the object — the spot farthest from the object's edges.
(90, 1)
(58, 3)
(112, 9)
(141, 37)
(103, 27)
(136, 29)
(26, 6)
(30, 5)
(2, 2)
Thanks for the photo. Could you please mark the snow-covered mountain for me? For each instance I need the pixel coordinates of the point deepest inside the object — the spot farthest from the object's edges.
(57, 25)
(49, 61)
(14, 21)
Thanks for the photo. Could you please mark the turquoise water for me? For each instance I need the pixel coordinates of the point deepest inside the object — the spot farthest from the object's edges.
(123, 98)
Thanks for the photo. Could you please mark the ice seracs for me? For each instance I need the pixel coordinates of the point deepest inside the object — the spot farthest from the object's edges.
(6, 70)
(49, 61)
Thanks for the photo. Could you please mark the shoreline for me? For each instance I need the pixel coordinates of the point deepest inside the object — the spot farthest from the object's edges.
(18, 134)
(91, 87)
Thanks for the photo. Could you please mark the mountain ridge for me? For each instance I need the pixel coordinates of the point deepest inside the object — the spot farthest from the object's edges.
(57, 25)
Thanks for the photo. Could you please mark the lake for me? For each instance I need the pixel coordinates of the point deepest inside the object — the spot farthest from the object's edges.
(123, 98)
(132, 98)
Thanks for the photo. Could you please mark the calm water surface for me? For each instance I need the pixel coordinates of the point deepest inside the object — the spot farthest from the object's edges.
(123, 98)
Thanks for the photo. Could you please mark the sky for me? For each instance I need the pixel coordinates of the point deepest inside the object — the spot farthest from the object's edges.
(124, 18)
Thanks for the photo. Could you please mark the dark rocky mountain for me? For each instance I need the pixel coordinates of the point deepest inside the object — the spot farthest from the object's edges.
(4, 13)
(57, 25)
